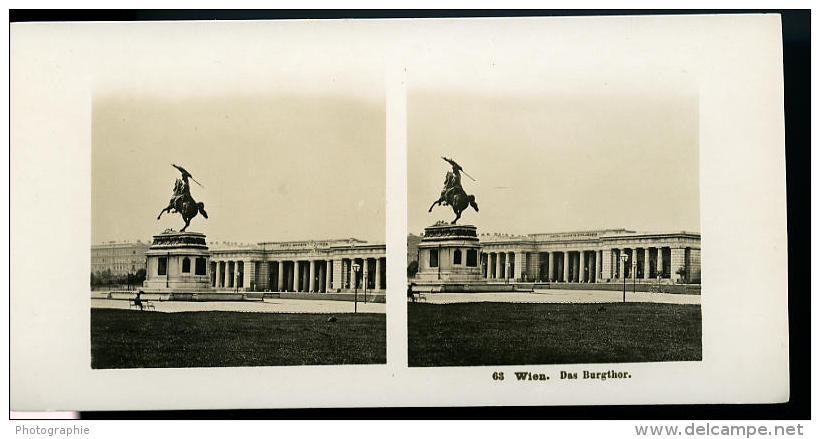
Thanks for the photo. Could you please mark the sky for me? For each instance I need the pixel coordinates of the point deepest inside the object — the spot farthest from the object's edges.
(275, 167)
(557, 162)
(282, 123)
(565, 126)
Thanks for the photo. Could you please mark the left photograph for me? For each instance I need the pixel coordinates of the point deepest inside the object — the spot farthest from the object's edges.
(233, 229)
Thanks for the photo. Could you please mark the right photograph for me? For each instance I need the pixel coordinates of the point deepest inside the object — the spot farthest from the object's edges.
(552, 228)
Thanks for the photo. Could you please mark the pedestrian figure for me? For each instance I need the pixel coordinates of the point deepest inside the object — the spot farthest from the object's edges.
(138, 300)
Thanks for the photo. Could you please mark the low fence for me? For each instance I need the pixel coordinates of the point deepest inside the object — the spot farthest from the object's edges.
(619, 286)
(345, 297)
(489, 287)
(237, 297)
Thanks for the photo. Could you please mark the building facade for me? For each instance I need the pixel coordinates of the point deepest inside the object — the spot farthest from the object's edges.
(317, 266)
(121, 258)
(592, 256)
(582, 257)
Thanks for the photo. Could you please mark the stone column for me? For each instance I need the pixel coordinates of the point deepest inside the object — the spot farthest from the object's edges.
(339, 280)
(365, 273)
(581, 266)
(508, 265)
(297, 279)
(378, 273)
(329, 272)
(599, 264)
(659, 262)
(678, 260)
(520, 263)
(567, 267)
(489, 272)
(646, 263)
(311, 288)
(351, 275)
(498, 265)
(250, 275)
(565, 277)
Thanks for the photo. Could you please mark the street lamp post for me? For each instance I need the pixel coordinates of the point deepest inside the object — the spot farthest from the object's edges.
(624, 258)
(356, 268)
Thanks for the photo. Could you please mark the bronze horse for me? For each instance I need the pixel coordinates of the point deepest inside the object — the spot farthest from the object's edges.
(186, 206)
(458, 200)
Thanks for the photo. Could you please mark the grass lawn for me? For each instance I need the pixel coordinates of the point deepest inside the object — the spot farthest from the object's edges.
(483, 334)
(128, 339)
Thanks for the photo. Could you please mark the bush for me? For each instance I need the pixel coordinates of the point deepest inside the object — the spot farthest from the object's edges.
(412, 268)
(681, 271)
(106, 278)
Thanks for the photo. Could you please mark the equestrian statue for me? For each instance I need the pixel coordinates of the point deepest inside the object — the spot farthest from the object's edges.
(453, 194)
(182, 202)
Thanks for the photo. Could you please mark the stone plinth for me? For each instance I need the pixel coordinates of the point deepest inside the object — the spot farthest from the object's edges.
(178, 262)
(449, 253)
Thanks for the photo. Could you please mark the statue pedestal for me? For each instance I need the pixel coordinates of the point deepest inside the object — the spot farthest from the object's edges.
(449, 253)
(178, 262)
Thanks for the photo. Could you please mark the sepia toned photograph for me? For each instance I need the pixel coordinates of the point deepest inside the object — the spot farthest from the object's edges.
(233, 229)
(553, 226)
(399, 212)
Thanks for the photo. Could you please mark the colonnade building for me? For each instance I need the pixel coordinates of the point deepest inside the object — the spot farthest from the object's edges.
(591, 256)
(316, 266)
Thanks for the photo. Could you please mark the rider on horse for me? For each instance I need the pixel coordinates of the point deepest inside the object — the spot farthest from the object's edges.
(453, 194)
(182, 202)
(452, 182)
(182, 188)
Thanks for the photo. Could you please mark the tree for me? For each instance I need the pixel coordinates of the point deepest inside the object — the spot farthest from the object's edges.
(681, 271)
(412, 268)
(139, 278)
